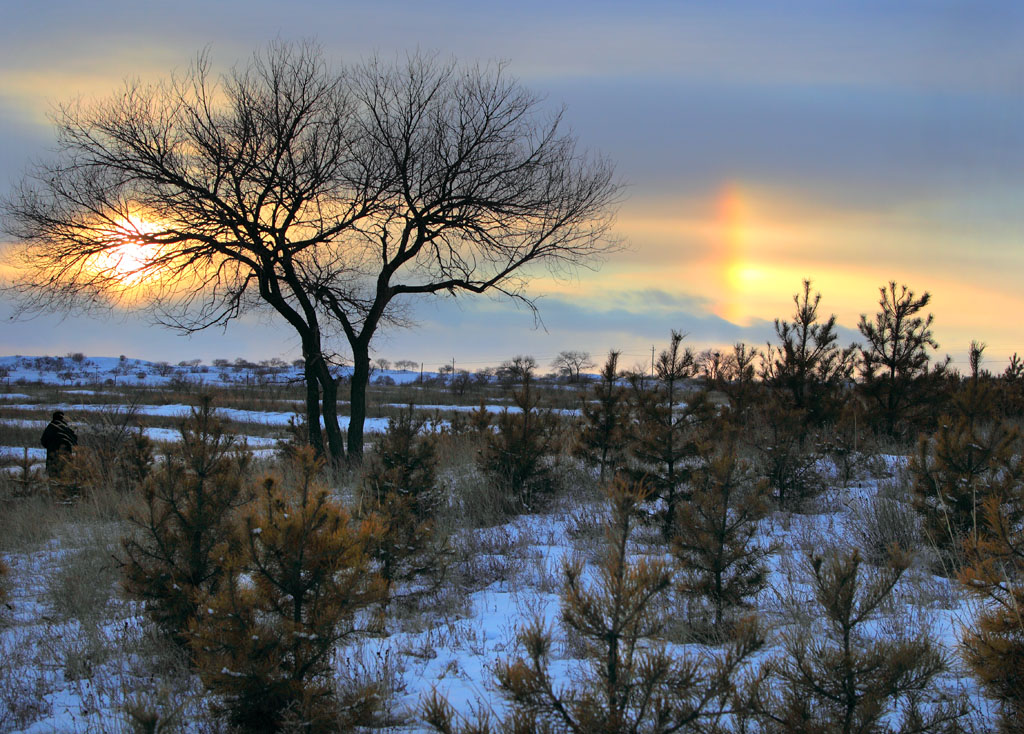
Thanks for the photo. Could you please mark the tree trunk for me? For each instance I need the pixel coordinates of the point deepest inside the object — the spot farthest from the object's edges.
(319, 378)
(335, 442)
(360, 379)
(316, 439)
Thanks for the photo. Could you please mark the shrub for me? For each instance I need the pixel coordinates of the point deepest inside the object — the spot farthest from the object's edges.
(113, 454)
(182, 531)
(81, 588)
(882, 523)
(292, 585)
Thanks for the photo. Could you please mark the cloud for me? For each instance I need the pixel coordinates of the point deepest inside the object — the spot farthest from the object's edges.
(872, 141)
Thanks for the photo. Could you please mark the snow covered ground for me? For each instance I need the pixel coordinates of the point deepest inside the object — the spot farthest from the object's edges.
(77, 656)
(452, 651)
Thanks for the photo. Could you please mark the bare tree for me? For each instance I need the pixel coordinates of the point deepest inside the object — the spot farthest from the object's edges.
(571, 363)
(329, 196)
(202, 199)
(478, 185)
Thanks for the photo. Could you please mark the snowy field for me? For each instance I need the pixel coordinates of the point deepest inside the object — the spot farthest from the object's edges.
(80, 657)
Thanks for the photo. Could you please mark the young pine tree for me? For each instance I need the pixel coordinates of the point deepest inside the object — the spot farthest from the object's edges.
(786, 456)
(667, 429)
(713, 536)
(181, 534)
(602, 437)
(971, 457)
(265, 639)
(843, 677)
(894, 361)
(1011, 387)
(399, 493)
(807, 363)
(629, 682)
(738, 382)
(994, 647)
(515, 458)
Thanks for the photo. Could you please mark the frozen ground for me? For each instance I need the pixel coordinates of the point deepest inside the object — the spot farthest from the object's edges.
(75, 655)
(452, 650)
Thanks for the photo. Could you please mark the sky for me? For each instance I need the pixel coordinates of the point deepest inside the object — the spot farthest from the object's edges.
(761, 143)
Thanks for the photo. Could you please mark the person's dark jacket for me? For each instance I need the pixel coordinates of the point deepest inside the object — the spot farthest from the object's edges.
(58, 436)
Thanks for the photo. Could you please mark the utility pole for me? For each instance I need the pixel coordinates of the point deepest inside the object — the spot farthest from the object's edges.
(652, 361)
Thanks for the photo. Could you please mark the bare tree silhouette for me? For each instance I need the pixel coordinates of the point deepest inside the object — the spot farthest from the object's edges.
(329, 196)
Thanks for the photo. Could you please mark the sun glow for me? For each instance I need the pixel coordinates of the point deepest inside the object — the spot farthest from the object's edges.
(126, 262)
(735, 234)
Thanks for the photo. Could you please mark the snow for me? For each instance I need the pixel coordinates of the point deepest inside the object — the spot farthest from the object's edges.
(453, 651)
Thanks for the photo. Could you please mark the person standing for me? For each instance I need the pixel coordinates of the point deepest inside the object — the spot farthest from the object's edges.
(58, 439)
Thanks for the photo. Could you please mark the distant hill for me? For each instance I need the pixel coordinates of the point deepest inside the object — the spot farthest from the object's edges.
(78, 369)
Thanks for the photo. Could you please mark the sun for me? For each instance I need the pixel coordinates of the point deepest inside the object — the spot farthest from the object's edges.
(125, 262)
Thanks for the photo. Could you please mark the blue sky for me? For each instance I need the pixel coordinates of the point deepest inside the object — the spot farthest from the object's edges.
(763, 142)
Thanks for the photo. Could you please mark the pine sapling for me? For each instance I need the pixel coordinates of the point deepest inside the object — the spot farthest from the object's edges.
(264, 641)
(843, 677)
(516, 456)
(629, 681)
(399, 493)
(955, 471)
(785, 456)
(602, 437)
(713, 536)
(807, 363)
(181, 533)
(994, 647)
(667, 429)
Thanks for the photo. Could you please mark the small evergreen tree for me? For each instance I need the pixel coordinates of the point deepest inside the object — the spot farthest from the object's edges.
(846, 441)
(714, 532)
(807, 363)
(739, 381)
(266, 637)
(971, 457)
(399, 492)
(994, 648)
(843, 677)
(894, 362)
(664, 446)
(602, 437)
(1011, 387)
(785, 452)
(515, 458)
(630, 683)
(181, 534)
